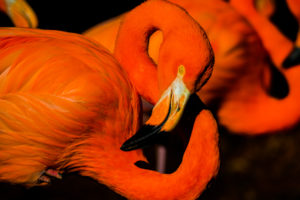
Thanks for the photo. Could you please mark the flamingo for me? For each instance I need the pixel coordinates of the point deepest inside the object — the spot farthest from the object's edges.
(234, 43)
(277, 45)
(284, 53)
(20, 13)
(239, 89)
(249, 108)
(67, 104)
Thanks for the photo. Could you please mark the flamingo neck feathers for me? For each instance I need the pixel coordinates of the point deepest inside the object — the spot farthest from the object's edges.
(184, 43)
(117, 170)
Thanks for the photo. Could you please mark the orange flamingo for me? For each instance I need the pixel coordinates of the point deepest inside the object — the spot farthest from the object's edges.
(248, 107)
(239, 90)
(66, 103)
(277, 45)
(282, 51)
(20, 13)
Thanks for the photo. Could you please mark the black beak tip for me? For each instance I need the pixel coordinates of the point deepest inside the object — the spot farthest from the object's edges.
(125, 147)
(292, 59)
(129, 144)
(143, 137)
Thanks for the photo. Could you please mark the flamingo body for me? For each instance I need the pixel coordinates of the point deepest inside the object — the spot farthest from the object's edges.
(54, 92)
(67, 104)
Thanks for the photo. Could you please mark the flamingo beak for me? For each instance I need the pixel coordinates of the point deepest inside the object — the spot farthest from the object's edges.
(21, 13)
(292, 59)
(165, 114)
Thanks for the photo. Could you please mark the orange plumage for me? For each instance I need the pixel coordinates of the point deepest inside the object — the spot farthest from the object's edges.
(66, 103)
(239, 88)
(54, 91)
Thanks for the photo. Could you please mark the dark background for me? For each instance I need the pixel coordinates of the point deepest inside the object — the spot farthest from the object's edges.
(74, 16)
(264, 167)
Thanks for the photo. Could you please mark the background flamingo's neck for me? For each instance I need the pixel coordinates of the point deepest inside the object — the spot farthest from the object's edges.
(278, 46)
(256, 112)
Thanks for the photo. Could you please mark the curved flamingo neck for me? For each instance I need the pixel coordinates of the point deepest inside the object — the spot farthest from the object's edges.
(117, 170)
(181, 38)
(131, 50)
(255, 112)
(278, 46)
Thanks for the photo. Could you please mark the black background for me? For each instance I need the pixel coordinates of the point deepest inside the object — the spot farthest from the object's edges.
(74, 16)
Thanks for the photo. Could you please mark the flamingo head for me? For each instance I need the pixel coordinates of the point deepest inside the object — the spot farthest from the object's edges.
(169, 108)
(184, 64)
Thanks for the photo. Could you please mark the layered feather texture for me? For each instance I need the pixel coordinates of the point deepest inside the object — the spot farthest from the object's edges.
(57, 89)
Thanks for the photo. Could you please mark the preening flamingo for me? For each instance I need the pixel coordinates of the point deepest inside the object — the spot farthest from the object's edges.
(239, 89)
(66, 103)
(20, 13)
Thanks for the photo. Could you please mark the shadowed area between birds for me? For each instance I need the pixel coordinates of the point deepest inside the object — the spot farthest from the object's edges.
(174, 141)
(145, 135)
(278, 85)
